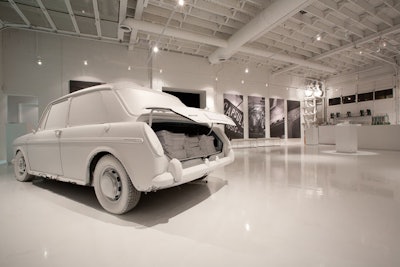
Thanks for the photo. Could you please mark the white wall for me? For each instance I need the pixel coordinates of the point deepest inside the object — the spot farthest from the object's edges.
(190, 72)
(376, 79)
(62, 59)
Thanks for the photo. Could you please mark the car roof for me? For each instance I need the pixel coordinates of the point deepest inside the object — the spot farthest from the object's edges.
(109, 86)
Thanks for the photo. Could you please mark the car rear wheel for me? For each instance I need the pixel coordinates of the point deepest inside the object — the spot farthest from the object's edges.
(20, 169)
(113, 187)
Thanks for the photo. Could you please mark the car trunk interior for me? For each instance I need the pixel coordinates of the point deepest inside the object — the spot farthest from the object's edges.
(187, 141)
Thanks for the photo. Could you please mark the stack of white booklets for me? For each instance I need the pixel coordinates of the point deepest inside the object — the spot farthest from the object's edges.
(181, 146)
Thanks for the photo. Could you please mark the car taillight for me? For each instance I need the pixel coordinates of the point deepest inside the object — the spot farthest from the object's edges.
(154, 143)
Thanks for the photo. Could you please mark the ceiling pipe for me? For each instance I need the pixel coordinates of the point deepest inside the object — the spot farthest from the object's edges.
(129, 24)
(269, 18)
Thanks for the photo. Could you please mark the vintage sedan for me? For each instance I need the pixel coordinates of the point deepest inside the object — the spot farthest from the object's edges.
(123, 140)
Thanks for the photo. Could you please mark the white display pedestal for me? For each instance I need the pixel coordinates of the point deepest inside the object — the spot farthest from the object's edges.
(311, 136)
(346, 138)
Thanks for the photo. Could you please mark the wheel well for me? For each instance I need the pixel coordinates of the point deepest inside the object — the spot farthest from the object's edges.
(93, 164)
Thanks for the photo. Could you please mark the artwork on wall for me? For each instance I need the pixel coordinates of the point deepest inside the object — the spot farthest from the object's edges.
(233, 108)
(293, 117)
(277, 118)
(256, 116)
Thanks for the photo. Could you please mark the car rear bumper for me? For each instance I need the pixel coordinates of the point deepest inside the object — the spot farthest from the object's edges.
(177, 175)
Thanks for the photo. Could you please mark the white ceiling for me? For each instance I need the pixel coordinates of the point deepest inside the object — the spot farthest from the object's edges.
(281, 34)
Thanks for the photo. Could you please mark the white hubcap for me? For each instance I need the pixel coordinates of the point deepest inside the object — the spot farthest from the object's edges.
(110, 184)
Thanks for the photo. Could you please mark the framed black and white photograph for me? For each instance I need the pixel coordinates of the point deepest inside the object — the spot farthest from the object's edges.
(293, 117)
(277, 118)
(256, 116)
(233, 108)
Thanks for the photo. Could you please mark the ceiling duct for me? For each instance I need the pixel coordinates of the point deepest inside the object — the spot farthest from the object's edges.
(269, 18)
(221, 43)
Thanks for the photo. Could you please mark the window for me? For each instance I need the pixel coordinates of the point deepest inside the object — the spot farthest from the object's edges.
(57, 115)
(383, 94)
(334, 101)
(348, 99)
(365, 97)
(87, 109)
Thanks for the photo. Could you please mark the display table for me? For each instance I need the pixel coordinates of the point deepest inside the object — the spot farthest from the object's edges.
(386, 137)
(346, 137)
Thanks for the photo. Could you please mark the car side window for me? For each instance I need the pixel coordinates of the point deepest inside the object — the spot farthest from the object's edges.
(87, 109)
(57, 116)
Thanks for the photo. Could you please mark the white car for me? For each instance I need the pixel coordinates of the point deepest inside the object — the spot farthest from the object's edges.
(123, 139)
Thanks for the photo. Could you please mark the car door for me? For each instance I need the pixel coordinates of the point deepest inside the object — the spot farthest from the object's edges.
(85, 133)
(44, 146)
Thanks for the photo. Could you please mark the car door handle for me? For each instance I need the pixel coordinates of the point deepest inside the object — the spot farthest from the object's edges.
(57, 133)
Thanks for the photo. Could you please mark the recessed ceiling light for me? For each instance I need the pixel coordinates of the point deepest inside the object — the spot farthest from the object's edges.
(155, 49)
(85, 62)
(242, 81)
(129, 68)
(181, 2)
(318, 37)
(161, 70)
(246, 70)
(39, 62)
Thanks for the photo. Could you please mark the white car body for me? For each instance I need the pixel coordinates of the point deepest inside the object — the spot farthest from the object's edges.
(77, 130)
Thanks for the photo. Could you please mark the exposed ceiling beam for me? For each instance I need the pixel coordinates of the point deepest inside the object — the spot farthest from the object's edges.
(97, 18)
(371, 10)
(362, 41)
(123, 6)
(318, 25)
(46, 14)
(71, 14)
(328, 16)
(395, 5)
(342, 9)
(265, 21)
(158, 29)
(16, 8)
(140, 5)
(371, 54)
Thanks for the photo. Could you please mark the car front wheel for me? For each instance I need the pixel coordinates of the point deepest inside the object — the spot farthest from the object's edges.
(113, 187)
(20, 169)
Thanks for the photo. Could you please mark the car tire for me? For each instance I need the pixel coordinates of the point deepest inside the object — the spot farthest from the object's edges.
(20, 168)
(113, 187)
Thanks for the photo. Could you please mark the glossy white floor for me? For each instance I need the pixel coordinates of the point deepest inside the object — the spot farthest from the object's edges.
(282, 206)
